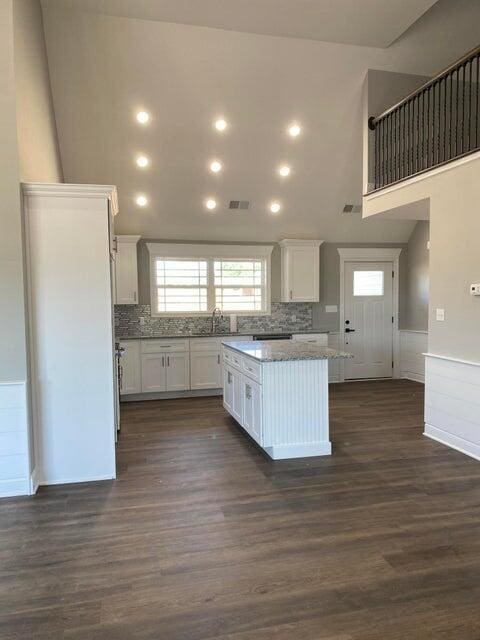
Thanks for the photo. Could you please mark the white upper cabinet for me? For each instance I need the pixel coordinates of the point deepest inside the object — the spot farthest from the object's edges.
(126, 270)
(300, 270)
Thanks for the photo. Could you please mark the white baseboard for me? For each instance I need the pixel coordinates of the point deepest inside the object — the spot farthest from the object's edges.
(452, 403)
(282, 452)
(53, 481)
(415, 377)
(170, 395)
(464, 446)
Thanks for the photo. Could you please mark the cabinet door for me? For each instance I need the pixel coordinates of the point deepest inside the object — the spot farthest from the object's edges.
(126, 273)
(228, 389)
(237, 399)
(252, 408)
(205, 370)
(303, 274)
(178, 371)
(130, 363)
(154, 372)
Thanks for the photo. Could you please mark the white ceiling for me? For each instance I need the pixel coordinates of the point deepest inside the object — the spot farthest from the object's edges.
(373, 23)
(103, 69)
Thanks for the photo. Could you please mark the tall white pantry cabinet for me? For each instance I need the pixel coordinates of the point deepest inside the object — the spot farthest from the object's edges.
(70, 265)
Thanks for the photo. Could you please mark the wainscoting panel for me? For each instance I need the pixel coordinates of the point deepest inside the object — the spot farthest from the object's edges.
(452, 403)
(413, 344)
(14, 457)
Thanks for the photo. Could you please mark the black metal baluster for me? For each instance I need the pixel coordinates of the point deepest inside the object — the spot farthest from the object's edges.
(469, 138)
(476, 106)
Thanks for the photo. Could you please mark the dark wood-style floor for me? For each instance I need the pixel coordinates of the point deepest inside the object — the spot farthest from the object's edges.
(203, 537)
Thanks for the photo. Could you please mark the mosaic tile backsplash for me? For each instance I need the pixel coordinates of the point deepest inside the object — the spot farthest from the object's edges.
(289, 317)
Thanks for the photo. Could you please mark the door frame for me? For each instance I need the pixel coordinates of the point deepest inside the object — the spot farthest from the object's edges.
(374, 255)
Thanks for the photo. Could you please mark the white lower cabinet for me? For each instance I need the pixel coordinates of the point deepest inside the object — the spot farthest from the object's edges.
(232, 395)
(252, 408)
(154, 372)
(130, 381)
(178, 371)
(205, 370)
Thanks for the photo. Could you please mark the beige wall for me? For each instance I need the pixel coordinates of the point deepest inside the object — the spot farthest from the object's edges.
(454, 193)
(39, 158)
(12, 334)
(417, 279)
(28, 151)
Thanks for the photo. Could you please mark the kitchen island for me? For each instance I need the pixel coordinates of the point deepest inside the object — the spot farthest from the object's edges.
(278, 392)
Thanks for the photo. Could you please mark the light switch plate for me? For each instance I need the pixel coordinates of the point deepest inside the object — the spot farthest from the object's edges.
(331, 308)
(440, 315)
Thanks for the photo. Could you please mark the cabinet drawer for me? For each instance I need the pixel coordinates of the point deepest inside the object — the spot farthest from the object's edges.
(252, 369)
(205, 344)
(163, 345)
(233, 359)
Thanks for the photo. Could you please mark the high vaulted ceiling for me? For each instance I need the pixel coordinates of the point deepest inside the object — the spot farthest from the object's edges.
(104, 69)
(374, 23)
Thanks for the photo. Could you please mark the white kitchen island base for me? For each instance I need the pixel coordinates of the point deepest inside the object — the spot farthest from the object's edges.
(281, 402)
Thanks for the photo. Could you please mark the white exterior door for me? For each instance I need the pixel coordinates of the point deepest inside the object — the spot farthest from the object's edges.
(368, 328)
(178, 371)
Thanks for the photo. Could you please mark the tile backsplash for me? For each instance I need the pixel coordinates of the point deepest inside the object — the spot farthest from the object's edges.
(291, 316)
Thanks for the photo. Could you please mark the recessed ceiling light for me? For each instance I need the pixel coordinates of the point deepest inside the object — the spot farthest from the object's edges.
(215, 166)
(294, 130)
(141, 201)
(211, 204)
(143, 117)
(221, 124)
(142, 162)
(275, 207)
(284, 170)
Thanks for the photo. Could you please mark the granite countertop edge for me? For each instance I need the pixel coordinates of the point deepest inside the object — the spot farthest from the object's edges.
(286, 350)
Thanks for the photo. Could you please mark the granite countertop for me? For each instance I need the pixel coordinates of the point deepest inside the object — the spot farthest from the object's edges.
(218, 335)
(282, 350)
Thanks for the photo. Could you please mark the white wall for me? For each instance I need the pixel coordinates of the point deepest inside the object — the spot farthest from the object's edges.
(416, 301)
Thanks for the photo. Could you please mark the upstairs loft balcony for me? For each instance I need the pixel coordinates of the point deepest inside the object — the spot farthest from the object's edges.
(436, 124)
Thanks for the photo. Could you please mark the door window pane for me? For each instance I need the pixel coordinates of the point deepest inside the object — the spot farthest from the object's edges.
(368, 283)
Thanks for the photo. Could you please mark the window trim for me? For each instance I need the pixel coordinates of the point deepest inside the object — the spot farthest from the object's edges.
(211, 252)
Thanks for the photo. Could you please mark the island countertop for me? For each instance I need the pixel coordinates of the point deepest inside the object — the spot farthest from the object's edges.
(285, 350)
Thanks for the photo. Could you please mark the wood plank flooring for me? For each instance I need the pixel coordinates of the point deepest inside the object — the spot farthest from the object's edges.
(203, 537)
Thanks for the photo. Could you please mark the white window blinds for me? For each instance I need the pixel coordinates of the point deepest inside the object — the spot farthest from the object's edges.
(181, 285)
(239, 285)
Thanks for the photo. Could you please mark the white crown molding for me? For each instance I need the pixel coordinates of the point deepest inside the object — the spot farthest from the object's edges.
(369, 255)
(288, 242)
(169, 250)
(54, 190)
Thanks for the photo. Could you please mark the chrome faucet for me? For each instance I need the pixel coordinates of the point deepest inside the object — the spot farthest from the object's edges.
(214, 316)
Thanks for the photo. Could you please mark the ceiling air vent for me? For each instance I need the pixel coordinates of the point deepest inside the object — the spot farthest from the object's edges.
(239, 204)
(352, 208)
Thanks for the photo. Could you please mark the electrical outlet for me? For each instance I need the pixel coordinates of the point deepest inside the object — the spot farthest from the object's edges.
(440, 315)
(142, 321)
(475, 289)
